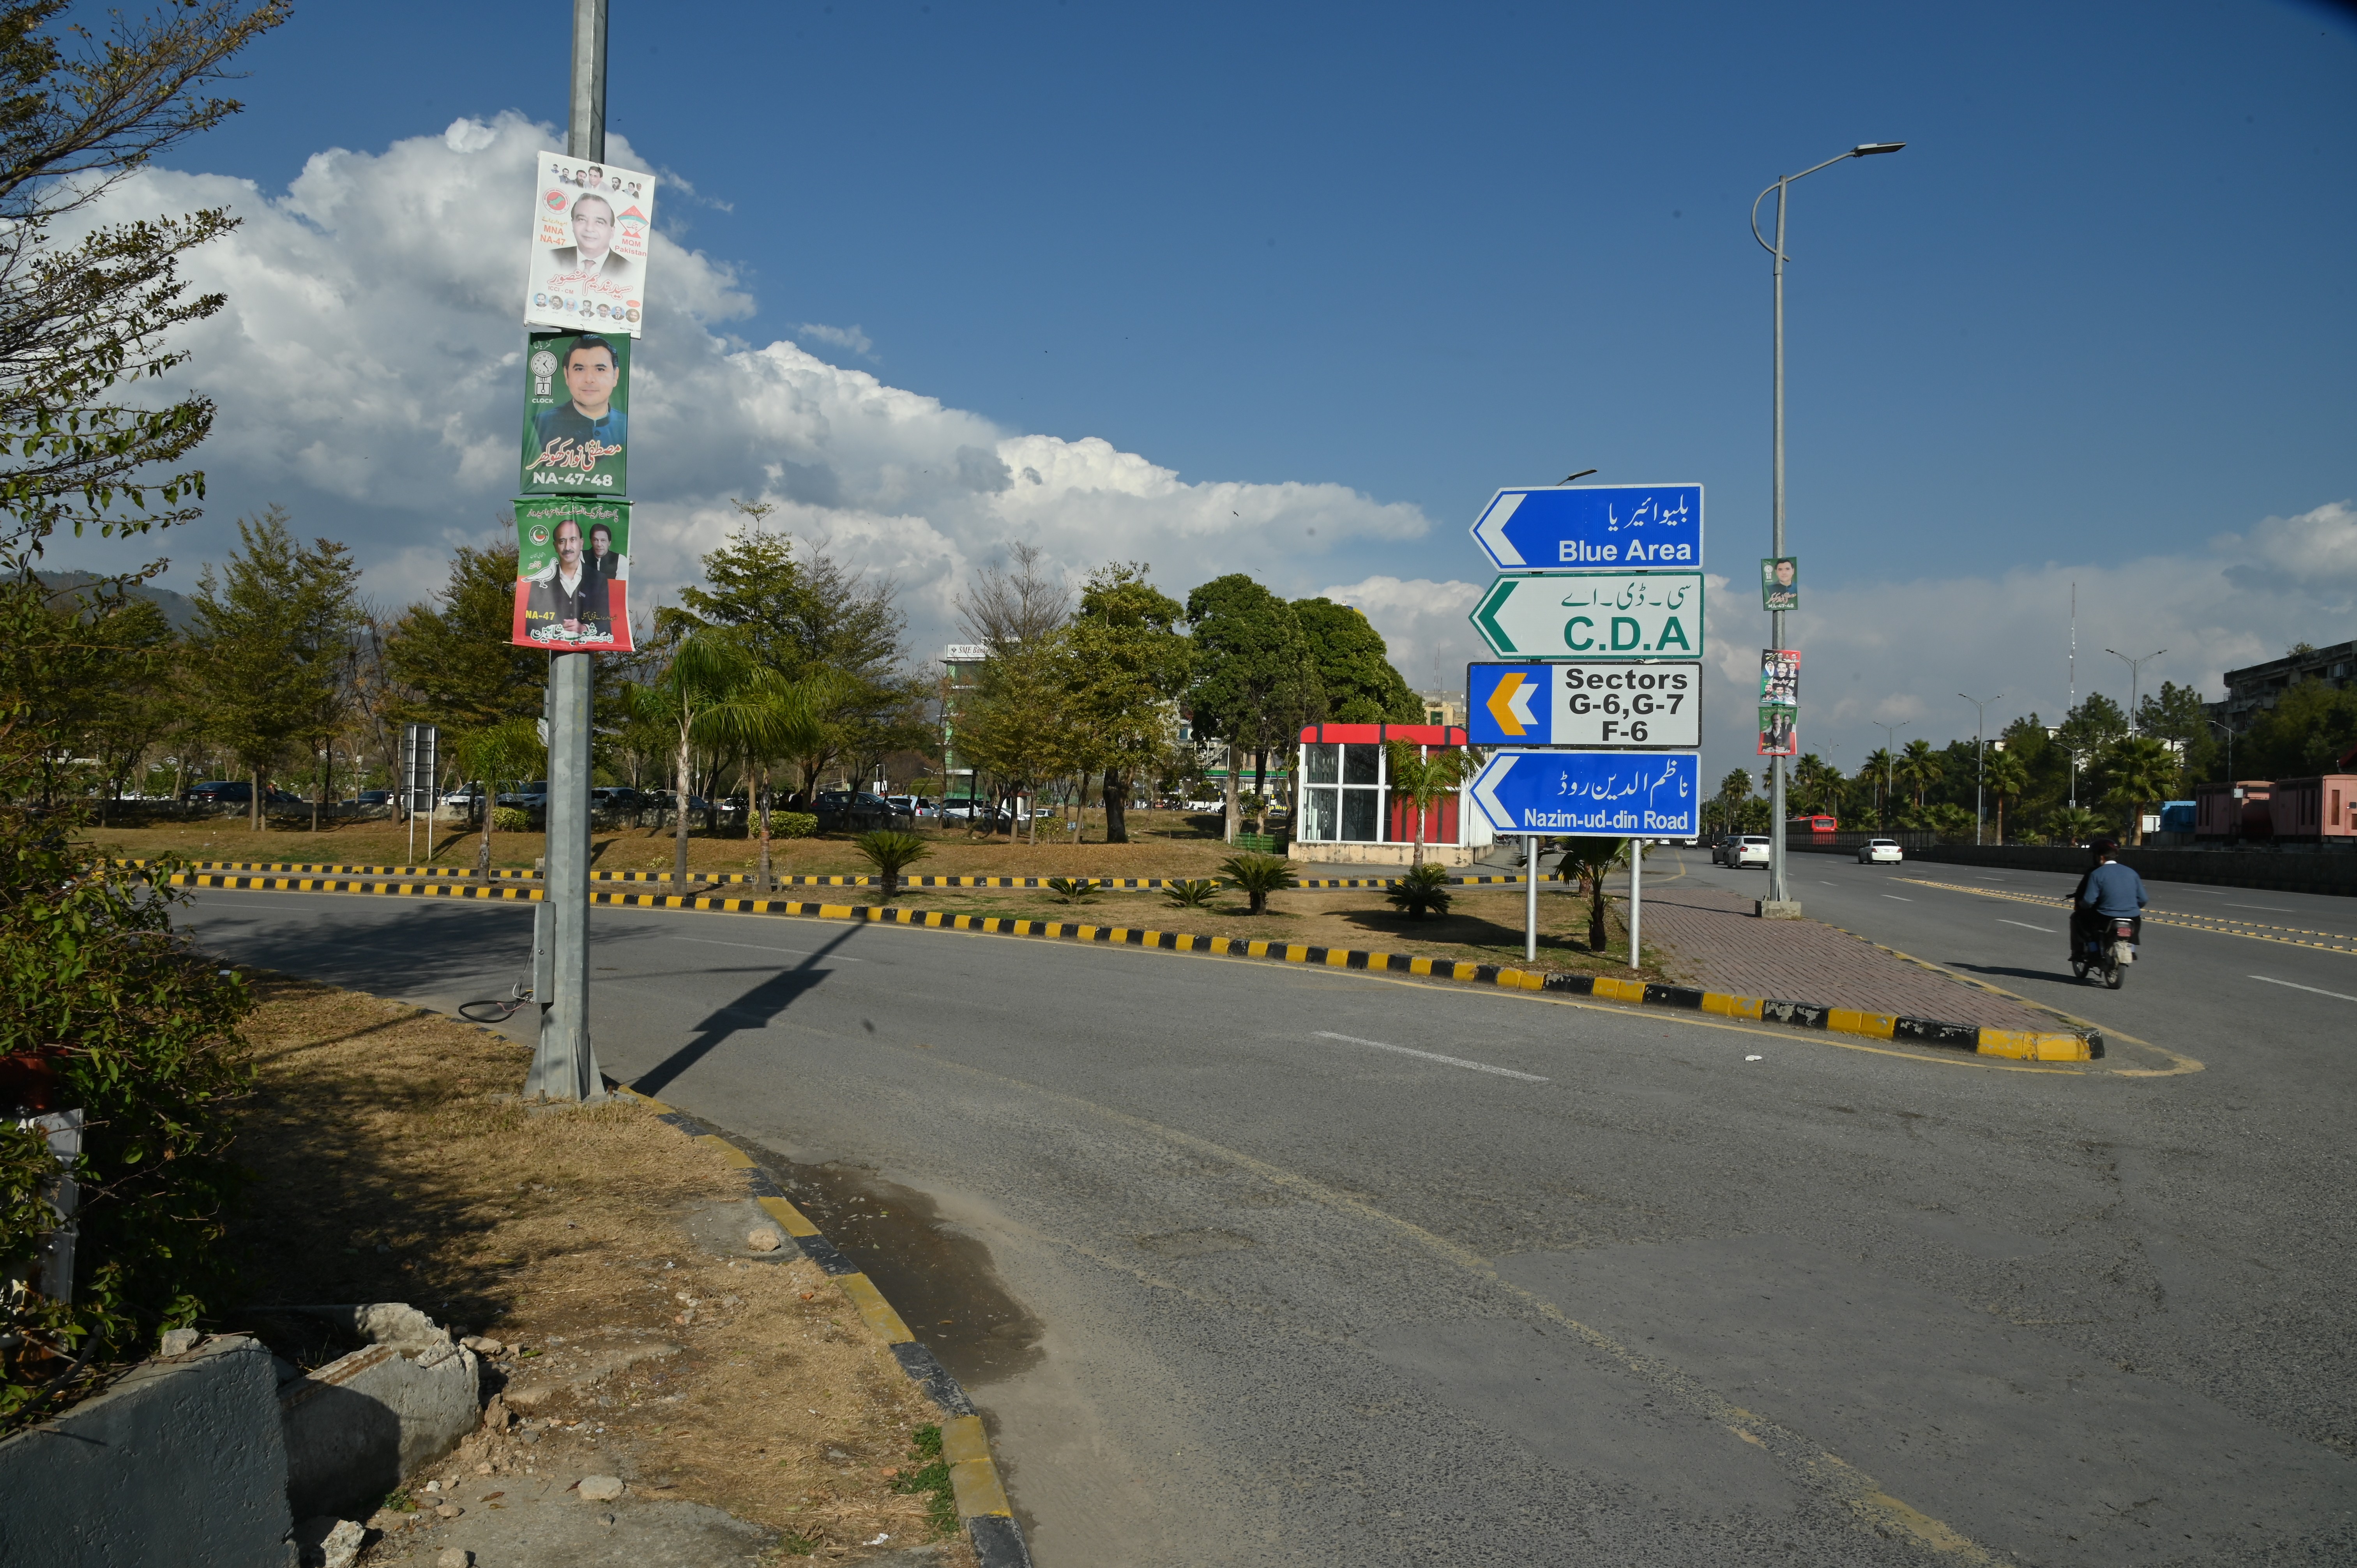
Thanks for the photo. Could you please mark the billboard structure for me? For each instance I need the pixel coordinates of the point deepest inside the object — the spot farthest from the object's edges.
(590, 226)
(573, 574)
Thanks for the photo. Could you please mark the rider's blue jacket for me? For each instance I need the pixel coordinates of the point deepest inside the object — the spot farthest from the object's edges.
(2113, 890)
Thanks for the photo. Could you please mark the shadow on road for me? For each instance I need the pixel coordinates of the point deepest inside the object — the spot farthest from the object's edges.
(753, 1010)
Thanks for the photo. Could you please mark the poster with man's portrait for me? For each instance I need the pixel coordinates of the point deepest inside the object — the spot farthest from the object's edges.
(1779, 677)
(1780, 732)
(1780, 582)
(573, 574)
(577, 414)
(590, 231)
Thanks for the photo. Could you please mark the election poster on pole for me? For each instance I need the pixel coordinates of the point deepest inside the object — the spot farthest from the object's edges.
(577, 414)
(573, 574)
(590, 230)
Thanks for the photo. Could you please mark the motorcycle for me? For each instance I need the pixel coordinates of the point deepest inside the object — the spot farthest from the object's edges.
(2107, 946)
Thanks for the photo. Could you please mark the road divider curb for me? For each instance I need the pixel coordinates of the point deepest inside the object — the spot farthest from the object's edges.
(982, 1504)
(2017, 1044)
(723, 878)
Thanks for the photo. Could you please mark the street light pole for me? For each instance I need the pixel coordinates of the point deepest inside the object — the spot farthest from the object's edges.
(2230, 746)
(2136, 674)
(1779, 892)
(1890, 746)
(1980, 751)
(563, 1064)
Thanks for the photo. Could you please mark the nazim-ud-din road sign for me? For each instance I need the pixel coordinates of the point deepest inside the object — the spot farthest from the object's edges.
(1647, 794)
(1588, 704)
(1593, 525)
(1593, 615)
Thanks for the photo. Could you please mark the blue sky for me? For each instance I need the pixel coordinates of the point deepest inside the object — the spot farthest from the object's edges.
(2098, 312)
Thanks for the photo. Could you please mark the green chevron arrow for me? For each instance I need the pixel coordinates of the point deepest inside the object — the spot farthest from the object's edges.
(1593, 615)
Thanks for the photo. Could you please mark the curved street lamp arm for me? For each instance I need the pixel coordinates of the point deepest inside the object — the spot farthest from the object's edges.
(1787, 180)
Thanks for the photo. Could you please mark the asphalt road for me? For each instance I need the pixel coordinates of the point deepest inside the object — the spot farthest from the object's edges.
(1239, 1279)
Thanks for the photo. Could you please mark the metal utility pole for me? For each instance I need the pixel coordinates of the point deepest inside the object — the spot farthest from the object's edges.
(1980, 752)
(2136, 675)
(1779, 892)
(2230, 746)
(565, 1066)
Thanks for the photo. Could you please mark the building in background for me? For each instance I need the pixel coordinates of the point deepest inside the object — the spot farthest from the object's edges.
(1446, 709)
(2252, 691)
(961, 675)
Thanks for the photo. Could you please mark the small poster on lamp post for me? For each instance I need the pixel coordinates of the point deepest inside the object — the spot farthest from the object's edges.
(1779, 677)
(577, 414)
(1780, 582)
(590, 231)
(573, 574)
(1780, 732)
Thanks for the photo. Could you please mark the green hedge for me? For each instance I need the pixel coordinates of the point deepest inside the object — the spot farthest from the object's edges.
(508, 818)
(792, 824)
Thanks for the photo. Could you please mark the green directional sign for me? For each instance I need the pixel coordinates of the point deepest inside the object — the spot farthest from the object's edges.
(1593, 615)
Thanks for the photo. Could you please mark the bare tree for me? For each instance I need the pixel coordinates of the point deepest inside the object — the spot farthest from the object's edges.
(1001, 611)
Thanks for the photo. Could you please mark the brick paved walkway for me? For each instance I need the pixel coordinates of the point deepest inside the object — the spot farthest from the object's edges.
(1708, 936)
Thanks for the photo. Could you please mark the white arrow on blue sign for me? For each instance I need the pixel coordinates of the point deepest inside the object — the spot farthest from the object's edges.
(1551, 527)
(1655, 794)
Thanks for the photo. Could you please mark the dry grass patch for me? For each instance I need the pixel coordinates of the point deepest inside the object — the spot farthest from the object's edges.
(388, 1172)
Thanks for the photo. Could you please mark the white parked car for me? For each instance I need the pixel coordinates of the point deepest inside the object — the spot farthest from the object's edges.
(1881, 852)
(1751, 848)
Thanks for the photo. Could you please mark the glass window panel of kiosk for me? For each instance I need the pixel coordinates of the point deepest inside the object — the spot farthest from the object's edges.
(1322, 815)
(1360, 763)
(1322, 762)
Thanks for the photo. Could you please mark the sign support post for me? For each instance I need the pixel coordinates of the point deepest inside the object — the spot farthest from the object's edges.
(564, 1065)
(1636, 901)
(1531, 903)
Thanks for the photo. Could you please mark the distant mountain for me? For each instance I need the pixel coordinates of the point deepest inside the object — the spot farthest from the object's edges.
(179, 610)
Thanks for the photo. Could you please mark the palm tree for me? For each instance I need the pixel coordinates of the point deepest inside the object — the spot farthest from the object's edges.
(1877, 772)
(705, 667)
(2007, 777)
(1919, 769)
(2143, 771)
(510, 750)
(762, 718)
(1423, 776)
(1593, 857)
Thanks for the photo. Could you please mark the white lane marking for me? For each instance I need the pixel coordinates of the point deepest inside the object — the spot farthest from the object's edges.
(794, 952)
(2025, 925)
(2294, 985)
(1430, 1056)
(1896, 896)
(2278, 908)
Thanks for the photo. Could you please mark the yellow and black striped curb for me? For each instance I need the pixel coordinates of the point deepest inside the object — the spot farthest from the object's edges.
(719, 877)
(2019, 1044)
(2257, 931)
(982, 1504)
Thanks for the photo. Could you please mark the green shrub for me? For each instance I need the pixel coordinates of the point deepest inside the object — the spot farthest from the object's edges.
(110, 1014)
(1072, 889)
(928, 1474)
(1423, 891)
(792, 824)
(1193, 893)
(1258, 875)
(509, 819)
(888, 850)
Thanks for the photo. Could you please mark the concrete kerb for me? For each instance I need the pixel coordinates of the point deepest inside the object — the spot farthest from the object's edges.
(720, 878)
(2015, 1044)
(982, 1503)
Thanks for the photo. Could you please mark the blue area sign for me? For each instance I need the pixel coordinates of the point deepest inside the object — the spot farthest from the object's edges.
(1640, 794)
(1562, 527)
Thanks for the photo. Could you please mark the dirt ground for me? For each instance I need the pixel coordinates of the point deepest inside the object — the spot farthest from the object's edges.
(1163, 843)
(641, 1336)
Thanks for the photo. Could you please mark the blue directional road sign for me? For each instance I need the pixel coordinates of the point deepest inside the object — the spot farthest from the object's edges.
(1643, 794)
(1558, 527)
(1587, 705)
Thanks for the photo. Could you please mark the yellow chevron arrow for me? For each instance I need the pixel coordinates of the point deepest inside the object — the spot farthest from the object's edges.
(1502, 700)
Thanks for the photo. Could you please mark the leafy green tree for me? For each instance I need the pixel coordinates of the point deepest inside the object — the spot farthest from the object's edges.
(82, 320)
(450, 659)
(802, 613)
(1020, 725)
(2071, 824)
(508, 750)
(2096, 723)
(2313, 725)
(272, 644)
(2008, 776)
(704, 670)
(1129, 664)
(86, 667)
(764, 719)
(1354, 667)
(2177, 714)
(2140, 772)
(1255, 680)
(1921, 769)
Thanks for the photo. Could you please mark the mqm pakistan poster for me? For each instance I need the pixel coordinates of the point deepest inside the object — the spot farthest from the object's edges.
(577, 414)
(573, 574)
(590, 231)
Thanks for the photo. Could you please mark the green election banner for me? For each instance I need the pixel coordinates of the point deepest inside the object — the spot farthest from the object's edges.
(577, 414)
(573, 574)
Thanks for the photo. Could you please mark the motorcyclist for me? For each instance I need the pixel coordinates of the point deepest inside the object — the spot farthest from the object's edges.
(2109, 891)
